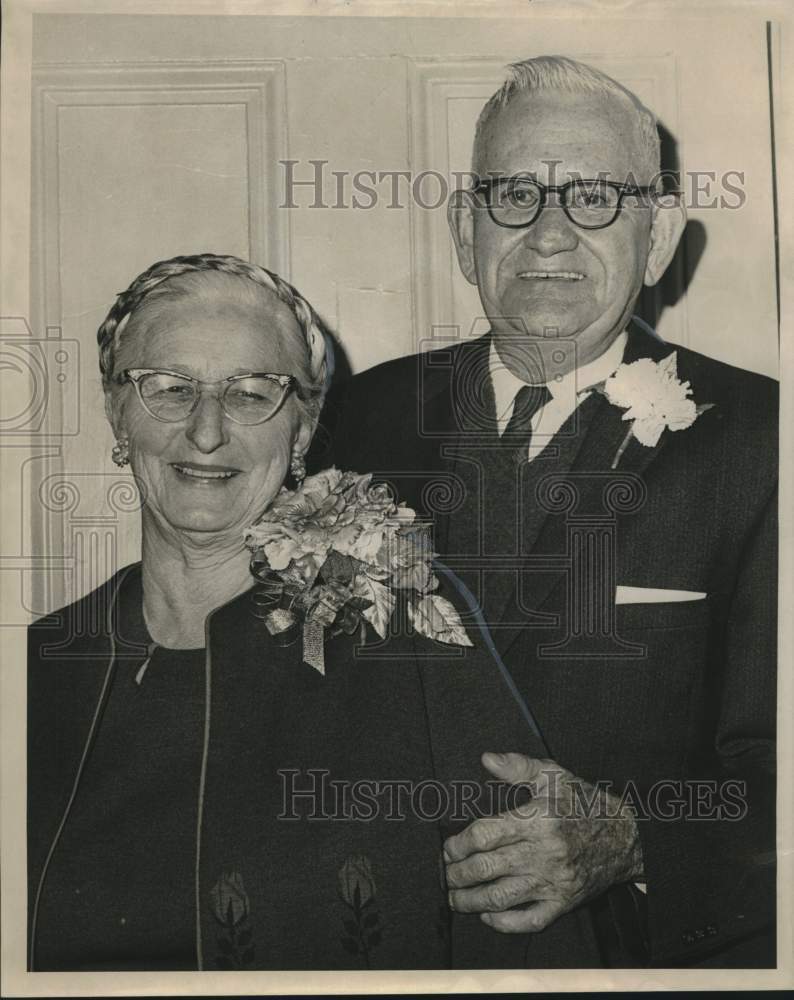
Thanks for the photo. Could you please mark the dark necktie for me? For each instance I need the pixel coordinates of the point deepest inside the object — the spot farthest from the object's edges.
(518, 433)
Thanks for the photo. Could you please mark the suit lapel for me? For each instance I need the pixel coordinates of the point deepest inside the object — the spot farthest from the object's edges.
(590, 485)
(607, 429)
(464, 412)
(537, 533)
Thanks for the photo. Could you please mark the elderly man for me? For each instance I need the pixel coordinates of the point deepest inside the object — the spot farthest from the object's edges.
(608, 500)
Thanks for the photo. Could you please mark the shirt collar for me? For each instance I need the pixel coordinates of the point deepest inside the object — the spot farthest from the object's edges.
(579, 380)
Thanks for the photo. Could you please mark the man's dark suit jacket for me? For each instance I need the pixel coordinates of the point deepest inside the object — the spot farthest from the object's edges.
(667, 700)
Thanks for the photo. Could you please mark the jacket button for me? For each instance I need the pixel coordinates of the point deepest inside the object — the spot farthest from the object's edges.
(711, 930)
(688, 937)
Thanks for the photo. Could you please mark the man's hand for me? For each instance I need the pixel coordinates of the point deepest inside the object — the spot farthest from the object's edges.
(554, 853)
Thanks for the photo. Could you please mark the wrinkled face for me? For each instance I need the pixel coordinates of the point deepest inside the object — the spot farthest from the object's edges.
(206, 473)
(553, 278)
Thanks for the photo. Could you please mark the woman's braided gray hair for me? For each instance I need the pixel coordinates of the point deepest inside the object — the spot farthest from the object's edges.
(318, 341)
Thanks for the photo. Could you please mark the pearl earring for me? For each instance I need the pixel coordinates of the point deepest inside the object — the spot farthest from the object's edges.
(297, 467)
(121, 452)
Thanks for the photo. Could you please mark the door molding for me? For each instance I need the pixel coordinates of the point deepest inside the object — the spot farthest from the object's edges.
(258, 88)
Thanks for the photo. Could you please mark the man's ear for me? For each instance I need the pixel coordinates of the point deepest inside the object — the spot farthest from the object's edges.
(669, 221)
(460, 216)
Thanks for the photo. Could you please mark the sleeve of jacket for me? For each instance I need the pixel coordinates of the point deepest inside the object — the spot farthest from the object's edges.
(711, 881)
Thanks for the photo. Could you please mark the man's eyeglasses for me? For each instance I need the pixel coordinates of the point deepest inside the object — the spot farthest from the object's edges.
(516, 202)
(251, 398)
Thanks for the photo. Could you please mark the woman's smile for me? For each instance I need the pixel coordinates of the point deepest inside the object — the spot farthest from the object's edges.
(200, 473)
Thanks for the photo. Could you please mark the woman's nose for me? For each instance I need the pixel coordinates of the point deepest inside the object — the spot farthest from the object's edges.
(207, 427)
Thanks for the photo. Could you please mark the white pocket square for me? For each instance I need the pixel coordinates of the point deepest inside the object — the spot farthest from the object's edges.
(654, 595)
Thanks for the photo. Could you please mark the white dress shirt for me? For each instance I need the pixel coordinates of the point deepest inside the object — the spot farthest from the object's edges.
(567, 392)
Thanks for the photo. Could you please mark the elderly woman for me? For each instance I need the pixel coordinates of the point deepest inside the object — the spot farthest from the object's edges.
(206, 791)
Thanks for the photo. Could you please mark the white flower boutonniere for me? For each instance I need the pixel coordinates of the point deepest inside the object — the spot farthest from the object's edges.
(335, 552)
(654, 400)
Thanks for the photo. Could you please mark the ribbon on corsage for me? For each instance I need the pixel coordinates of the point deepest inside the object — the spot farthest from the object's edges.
(333, 555)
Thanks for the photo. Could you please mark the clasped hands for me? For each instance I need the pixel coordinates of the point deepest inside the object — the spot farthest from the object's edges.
(523, 869)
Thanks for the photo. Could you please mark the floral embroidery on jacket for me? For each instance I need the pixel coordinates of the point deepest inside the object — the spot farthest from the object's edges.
(231, 909)
(357, 892)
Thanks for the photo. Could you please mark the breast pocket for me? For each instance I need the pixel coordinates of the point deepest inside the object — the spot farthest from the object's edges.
(662, 614)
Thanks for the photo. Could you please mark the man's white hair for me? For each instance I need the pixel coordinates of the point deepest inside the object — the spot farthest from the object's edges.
(558, 73)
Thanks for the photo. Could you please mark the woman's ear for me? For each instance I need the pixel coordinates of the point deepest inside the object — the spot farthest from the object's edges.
(113, 413)
(460, 216)
(667, 227)
(306, 429)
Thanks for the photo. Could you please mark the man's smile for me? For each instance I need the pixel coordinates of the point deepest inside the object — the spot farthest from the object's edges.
(549, 275)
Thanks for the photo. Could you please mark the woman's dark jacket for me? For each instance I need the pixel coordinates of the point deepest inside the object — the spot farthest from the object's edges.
(346, 876)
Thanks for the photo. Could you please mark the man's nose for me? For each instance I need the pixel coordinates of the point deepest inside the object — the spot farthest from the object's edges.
(207, 427)
(552, 232)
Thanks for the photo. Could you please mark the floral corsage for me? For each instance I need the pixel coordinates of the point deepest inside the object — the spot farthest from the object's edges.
(654, 399)
(334, 554)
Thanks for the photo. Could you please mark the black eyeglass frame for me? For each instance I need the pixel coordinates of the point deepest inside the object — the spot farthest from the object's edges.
(561, 190)
(287, 383)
